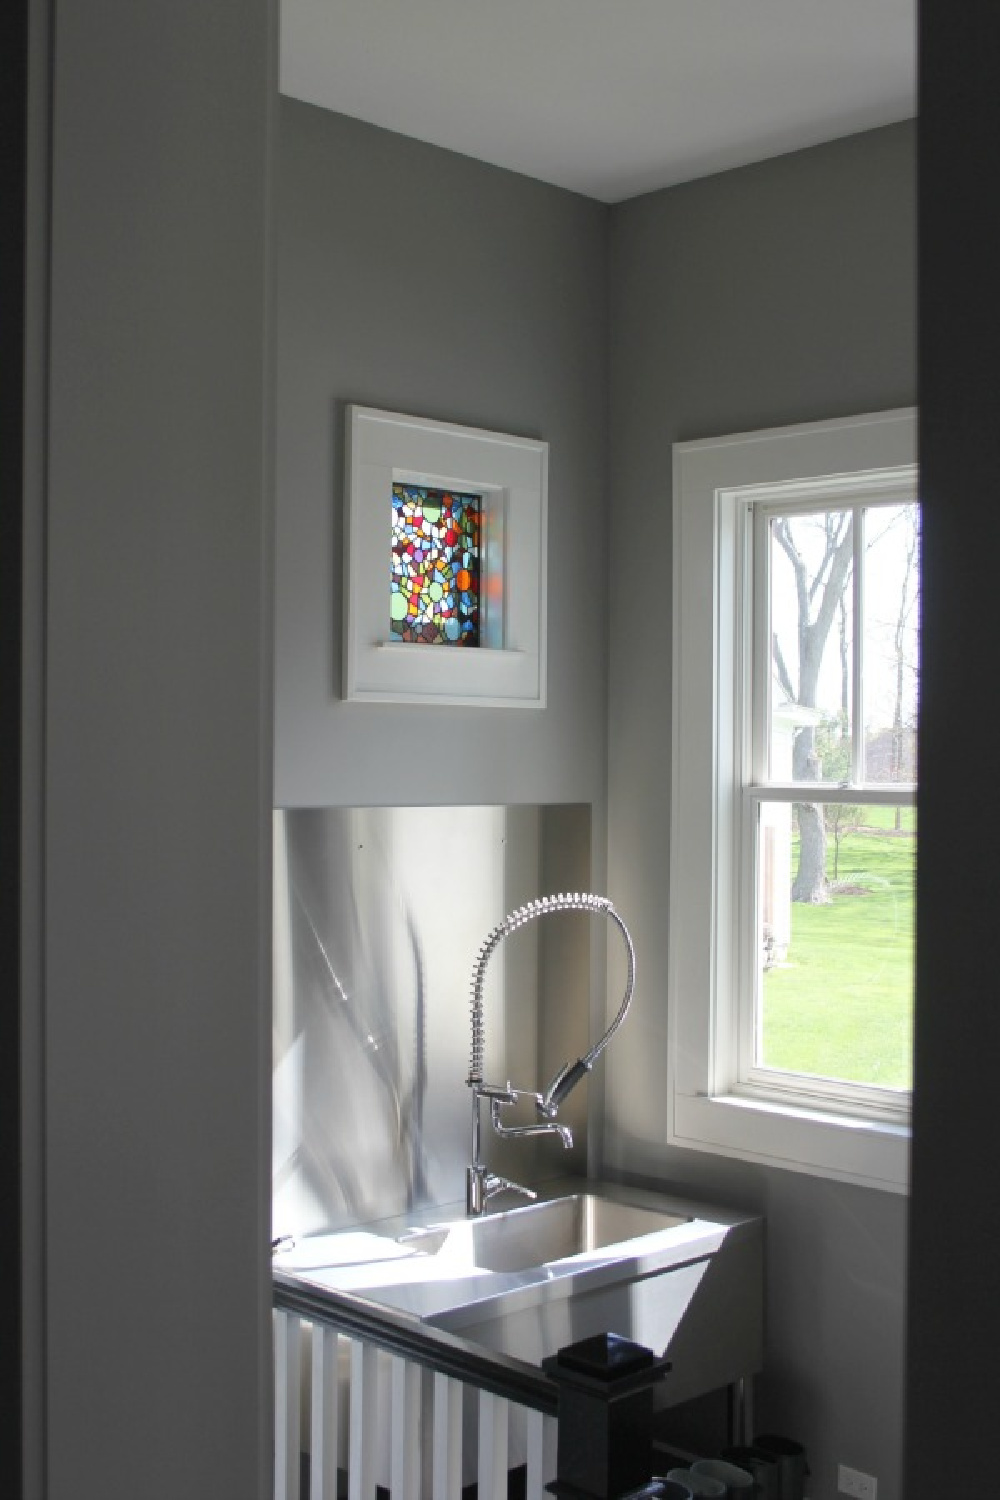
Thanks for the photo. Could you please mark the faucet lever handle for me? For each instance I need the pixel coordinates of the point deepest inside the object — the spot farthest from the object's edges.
(502, 1093)
(481, 1185)
(498, 1184)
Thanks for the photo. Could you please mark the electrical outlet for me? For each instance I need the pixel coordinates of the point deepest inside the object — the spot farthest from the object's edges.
(853, 1482)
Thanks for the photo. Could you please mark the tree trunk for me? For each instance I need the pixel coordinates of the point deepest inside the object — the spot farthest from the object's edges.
(830, 578)
(811, 884)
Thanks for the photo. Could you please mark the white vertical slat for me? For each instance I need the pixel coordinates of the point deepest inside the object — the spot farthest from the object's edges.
(287, 1386)
(404, 1454)
(446, 1479)
(364, 1421)
(542, 1438)
(323, 1417)
(493, 1421)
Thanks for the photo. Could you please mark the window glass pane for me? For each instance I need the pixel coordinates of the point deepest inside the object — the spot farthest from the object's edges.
(835, 955)
(434, 570)
(811, 625)
(891, 634)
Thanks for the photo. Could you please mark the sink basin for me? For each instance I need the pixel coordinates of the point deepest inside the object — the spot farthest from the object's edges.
(540, 1234)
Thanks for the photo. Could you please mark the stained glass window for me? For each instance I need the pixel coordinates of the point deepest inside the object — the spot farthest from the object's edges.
(435, 575)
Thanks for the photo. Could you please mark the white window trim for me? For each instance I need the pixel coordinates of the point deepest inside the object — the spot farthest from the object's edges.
(704, 1110)
(508, 670)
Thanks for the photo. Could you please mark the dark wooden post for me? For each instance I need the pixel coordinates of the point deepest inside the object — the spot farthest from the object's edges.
(605, 1416)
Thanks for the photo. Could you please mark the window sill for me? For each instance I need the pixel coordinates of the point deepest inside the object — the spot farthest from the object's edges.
(847, 1148)
(457, 676)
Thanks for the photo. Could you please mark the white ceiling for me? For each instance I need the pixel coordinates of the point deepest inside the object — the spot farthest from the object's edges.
(607, 97)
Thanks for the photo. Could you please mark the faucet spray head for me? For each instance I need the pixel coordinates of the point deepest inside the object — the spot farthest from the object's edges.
(562, 1085)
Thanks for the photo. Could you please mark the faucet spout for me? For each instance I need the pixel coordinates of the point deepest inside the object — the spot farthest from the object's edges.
(549, 1128)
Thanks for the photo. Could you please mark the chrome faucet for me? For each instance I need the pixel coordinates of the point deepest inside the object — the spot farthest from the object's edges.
(480, 1183)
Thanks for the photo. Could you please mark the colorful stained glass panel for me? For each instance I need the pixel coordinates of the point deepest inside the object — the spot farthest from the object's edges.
(435, 574)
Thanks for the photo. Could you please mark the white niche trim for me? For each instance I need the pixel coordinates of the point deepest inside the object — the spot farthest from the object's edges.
(507, 668)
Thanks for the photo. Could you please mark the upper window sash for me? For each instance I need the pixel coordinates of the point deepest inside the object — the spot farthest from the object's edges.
(862, 497)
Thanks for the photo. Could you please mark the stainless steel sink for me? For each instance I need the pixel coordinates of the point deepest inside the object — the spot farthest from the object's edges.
(540, 1234)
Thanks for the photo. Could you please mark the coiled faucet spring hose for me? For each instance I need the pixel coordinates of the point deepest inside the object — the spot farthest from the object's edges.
(544, 906)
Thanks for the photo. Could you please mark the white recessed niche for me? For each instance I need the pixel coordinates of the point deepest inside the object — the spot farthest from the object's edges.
(509, 475)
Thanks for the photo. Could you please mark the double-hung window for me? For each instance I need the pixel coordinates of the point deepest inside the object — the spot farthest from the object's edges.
(793, 833)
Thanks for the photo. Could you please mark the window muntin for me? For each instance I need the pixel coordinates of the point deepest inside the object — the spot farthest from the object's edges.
(825, 980)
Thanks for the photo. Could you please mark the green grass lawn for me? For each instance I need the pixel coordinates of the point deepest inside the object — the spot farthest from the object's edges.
(842, 1004)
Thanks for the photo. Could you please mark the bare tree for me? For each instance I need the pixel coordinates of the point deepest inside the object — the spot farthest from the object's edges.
(845, 673)
(842, 818)
(820, 591)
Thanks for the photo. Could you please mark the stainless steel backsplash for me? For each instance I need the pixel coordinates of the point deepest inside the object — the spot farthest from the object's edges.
(378, 915)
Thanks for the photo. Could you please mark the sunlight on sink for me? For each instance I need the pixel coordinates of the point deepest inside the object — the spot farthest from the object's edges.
(540, 1234)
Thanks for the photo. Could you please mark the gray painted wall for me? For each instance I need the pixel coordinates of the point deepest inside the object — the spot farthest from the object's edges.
(421, 281)
(155, 893)
(777, 293)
